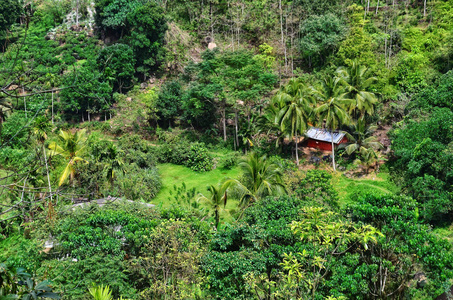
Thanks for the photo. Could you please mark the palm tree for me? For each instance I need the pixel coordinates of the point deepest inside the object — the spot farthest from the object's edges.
(332, 113)
(369, 157)
(113, 162)
(218, 197)
(71, 147)
(362, 137)
(295, 110)
(40, 129)
(267, 122)
(261, 177)
(357, 81)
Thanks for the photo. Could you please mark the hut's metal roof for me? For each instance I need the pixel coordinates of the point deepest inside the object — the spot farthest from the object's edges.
(324, 135)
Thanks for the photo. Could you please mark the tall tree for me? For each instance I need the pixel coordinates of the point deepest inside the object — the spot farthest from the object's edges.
(332, 111)
(146, 26)
(9, 12)
(40, 129)
(358, 81)
(295, 110)
(116, 63)
(320, 36)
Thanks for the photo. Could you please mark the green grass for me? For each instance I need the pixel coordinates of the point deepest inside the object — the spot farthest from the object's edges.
(346, 187)
(445, 232)
(172, 175)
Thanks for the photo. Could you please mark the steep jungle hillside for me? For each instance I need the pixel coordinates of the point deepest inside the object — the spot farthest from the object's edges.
(226, 149)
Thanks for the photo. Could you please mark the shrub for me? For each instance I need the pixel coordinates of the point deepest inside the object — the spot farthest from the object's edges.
(15, 158)
(229, 162)
(317, 189)
(199, 159)
(138, 183)
(192, 155)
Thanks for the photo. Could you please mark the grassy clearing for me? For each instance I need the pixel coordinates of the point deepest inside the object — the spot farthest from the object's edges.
(346, 187)
(175, 175)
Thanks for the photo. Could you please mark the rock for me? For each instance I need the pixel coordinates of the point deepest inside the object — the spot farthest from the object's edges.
(143, 85)
(421, 279)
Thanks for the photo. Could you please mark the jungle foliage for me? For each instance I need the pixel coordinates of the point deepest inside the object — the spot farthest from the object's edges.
(96, 96)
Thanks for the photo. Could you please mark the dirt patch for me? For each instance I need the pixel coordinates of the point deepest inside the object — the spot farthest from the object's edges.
(382, 136)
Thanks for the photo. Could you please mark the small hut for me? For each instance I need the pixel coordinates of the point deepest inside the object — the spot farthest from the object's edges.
(322, 139)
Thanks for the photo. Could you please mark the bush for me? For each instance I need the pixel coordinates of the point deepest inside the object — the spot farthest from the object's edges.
(136, 183)
(143, 160)
(14, 131)
(316, 189)
(230, 161)
(192, 155)
(15, 158)
(199, 159)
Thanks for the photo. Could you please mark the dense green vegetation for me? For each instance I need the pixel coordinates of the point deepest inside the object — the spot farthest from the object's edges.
(158, 149)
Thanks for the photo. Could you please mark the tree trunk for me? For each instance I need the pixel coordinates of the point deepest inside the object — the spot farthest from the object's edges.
(236, 126)
(77, 14)
(217, 218)
(377, 7)
(281, 28)
(1, 124)
(424, 8)
(211, 23)
(25, 107)
(224, 125)
(367, 9)
(52, 106)
(333, 150)
(47, 170)
(297, 150)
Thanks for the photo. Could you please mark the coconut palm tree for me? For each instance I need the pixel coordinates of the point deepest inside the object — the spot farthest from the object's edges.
(218, 197)
(40, 129)
(362, 137)
(267, 122)
(332, 111)
(261, 177)
(295, 110)
(71, 147)
(357, 81)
